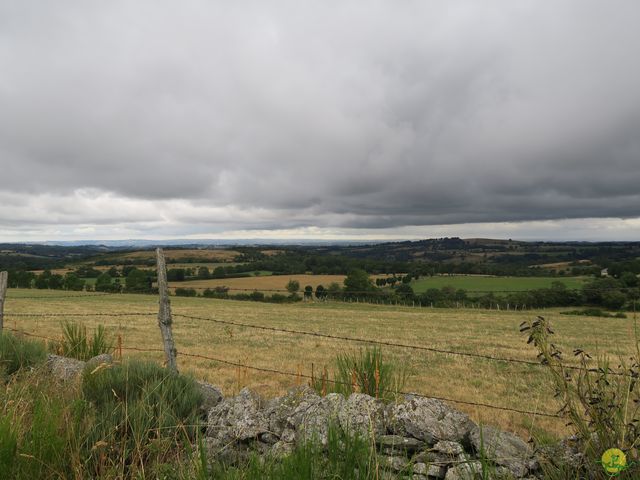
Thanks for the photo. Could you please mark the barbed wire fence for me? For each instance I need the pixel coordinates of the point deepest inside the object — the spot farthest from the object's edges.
(298, 376)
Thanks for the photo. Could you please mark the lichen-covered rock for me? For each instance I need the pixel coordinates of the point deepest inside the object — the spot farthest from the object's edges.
(363, 415)
(504, 449)
(278, 410)
(281, 449)
(99, 361)
(565, 453)
(427, 419)
(311, 418)
(395, 463)
(429, 470)
(237, 419)
(465, 471)
(448, 448)
(211, 396)
(65, 368)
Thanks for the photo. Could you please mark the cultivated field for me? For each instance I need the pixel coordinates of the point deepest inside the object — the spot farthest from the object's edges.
(265, 283)
(475, 331)
(492, 284)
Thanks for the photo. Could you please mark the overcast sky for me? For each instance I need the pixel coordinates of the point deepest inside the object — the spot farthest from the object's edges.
(333, 119)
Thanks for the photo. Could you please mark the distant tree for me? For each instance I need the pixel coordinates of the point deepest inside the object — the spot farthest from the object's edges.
(405, 292)
(334, 290)
(629, 279)
(308, 292)
(56, 281)
(73, 282)
(293, 286)
(321, 292)
(113, 272)
(138, 281)
(42, 280)
(358, 283)
(203, 273)
(175, 275)
(104, 283)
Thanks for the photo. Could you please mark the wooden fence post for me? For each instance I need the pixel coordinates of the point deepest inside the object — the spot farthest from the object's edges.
(164, 314)
(4, 276)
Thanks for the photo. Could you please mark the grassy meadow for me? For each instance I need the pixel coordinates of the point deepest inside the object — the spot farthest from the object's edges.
(475, 331)
(485, 283)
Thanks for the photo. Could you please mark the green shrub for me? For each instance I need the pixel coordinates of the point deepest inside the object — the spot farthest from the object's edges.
(186, 292)
(142, 413)
(594, 312)
(76, 342)
(366, 371)
(17, 353)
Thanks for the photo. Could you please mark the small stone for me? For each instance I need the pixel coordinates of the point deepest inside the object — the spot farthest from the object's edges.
(398, 443)
(211, 396)
(504, 449)
(268, 438)
(395, 463)
(281, 449)
(65, 368)
(449, 448)
(102, 359)
(435, 471)
(464, 471)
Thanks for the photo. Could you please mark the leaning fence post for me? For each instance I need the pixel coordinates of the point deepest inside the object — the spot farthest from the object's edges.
(164, 314)
(4, 276)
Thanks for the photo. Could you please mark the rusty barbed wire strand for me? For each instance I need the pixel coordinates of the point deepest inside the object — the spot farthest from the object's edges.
(309, 377)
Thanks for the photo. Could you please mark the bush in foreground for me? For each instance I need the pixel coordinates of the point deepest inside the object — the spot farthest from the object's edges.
(17, 353)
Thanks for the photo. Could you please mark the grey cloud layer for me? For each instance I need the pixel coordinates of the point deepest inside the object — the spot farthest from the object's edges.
(344, 113)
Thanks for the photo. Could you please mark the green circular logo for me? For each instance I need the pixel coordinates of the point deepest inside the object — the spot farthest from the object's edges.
(614, 461)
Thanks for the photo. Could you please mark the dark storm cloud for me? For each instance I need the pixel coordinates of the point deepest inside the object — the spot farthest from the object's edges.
(294, 114)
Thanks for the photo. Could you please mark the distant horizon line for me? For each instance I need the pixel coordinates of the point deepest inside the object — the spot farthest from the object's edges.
(137, 242)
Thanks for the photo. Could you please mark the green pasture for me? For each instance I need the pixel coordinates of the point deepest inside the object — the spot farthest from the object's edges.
(480, 283)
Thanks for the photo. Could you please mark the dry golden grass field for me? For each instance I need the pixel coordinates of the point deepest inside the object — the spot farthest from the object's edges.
(463, 378)
(265, 283)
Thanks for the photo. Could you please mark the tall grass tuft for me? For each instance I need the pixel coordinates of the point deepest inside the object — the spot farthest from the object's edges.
(345, 457)
(366, 371)
(17, 353)
(77, 343)
(601, 402)
(141, 412)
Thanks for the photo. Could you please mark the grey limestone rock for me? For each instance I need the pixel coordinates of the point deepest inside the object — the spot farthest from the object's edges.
(504, 449)
(311, 419)
(65, 368)
(465, 471)
(428, 419)
(237, 419)
(363, 415)
(211, 396)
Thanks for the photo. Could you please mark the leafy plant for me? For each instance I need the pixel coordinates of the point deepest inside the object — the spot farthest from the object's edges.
(366, 371)
(77, 343)
(601, 403)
